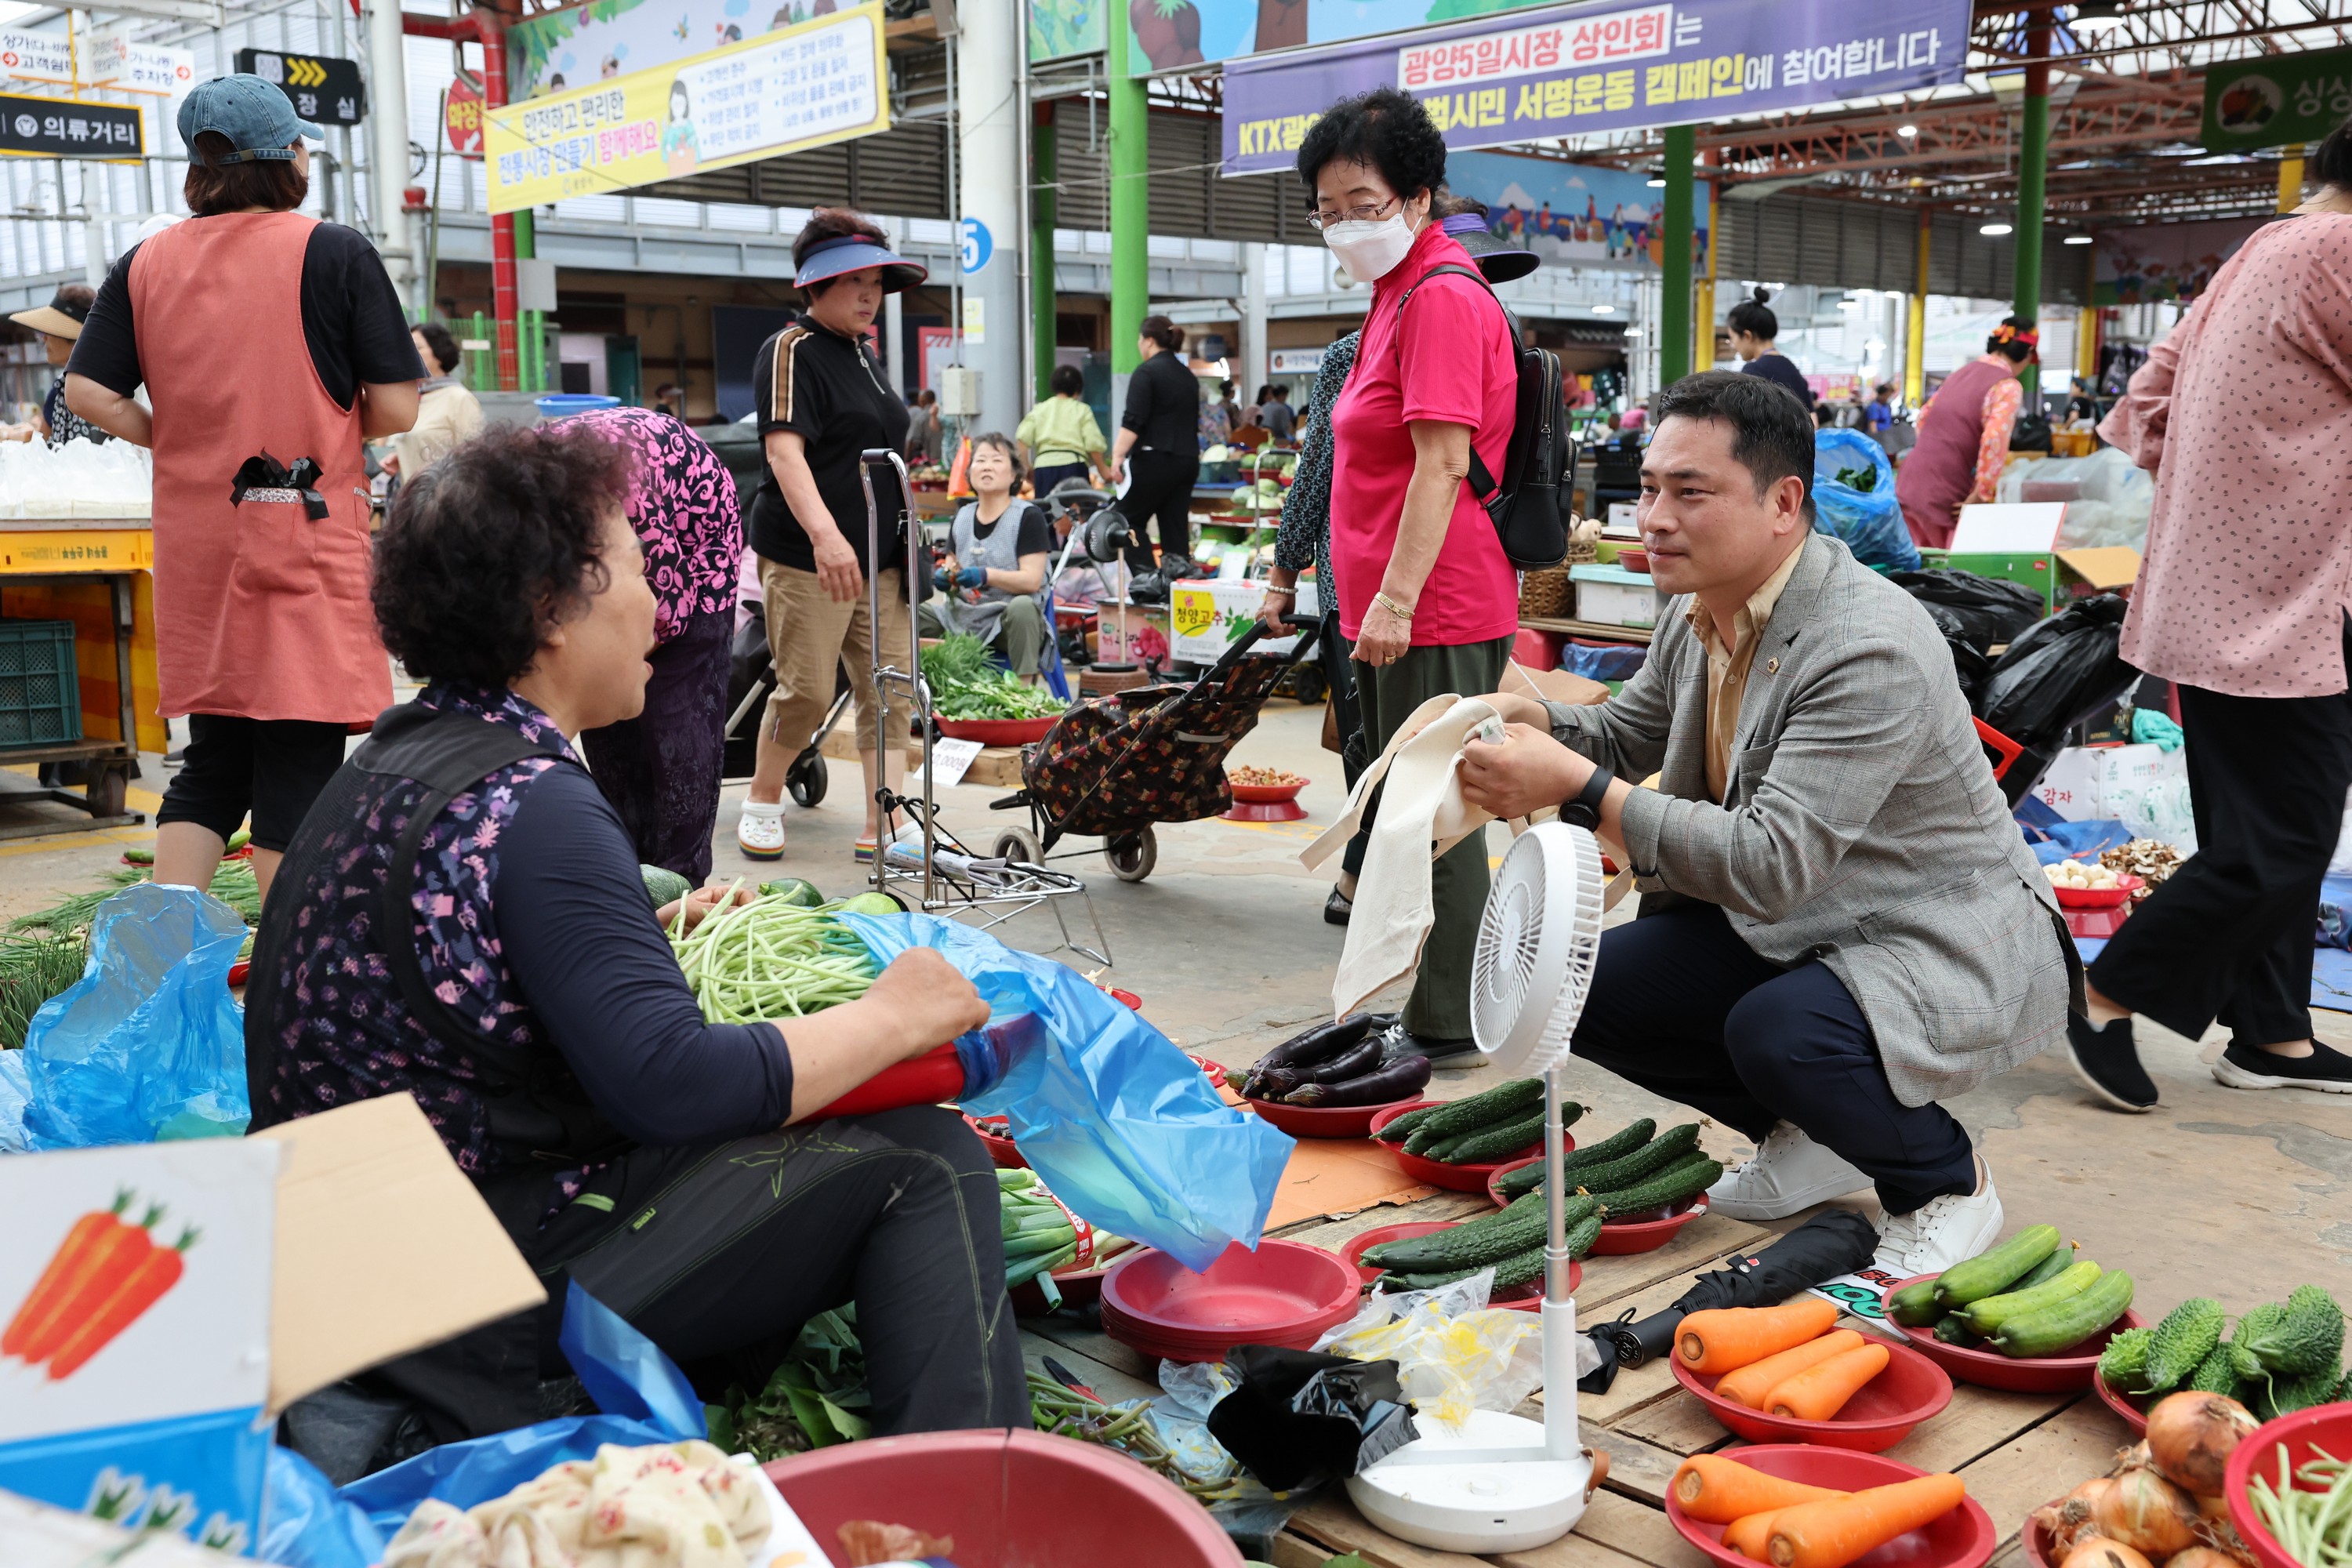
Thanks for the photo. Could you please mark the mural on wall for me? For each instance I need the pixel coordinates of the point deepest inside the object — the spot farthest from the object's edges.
(2143, 265)
(559, 51)
(1058, 27)
(1569, 214)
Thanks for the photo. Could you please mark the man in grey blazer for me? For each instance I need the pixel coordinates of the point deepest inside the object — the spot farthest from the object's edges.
(1841, 924)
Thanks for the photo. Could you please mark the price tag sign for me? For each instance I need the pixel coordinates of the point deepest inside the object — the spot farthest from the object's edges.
(1862, 1293)
(950, 760)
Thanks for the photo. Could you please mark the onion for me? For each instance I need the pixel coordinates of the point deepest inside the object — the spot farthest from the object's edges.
(2203, 1557)
(2099, 1552)
(2148, 1514)
(2070, 1517)
(2189, 1437)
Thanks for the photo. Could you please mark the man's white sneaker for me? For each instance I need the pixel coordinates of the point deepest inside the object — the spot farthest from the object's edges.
(1788, 1173)
(759, 831)
(1940, 1233)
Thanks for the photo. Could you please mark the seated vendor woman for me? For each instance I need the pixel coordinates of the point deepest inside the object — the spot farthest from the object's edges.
(1840, 924)
(994, 574)
(461, 917)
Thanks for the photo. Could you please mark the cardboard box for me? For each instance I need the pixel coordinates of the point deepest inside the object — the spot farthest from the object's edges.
(2105, 570)
(1613, 596)
(1135, 634)
(1205, 615)
(2143, 786)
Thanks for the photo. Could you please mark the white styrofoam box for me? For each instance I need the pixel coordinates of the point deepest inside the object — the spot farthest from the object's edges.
(2070, 787)
(1613, 596)
(1206, 615)
(2143, 786)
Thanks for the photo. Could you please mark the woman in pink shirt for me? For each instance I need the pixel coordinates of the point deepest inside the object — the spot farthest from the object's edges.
(1425, 591)
(2244, 413)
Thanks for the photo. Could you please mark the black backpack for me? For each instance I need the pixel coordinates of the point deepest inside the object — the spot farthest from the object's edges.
(1527, 503)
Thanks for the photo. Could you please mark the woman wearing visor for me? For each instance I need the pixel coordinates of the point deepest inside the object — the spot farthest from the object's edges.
(823, 398)
(271, 345)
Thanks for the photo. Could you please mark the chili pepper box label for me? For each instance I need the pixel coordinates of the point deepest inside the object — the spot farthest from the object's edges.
(134, 1333)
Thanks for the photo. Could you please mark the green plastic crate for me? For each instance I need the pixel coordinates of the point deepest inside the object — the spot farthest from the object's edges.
(40, 695)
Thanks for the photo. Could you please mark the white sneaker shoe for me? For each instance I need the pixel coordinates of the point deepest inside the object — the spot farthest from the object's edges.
(1790, 1172)
(1940, 1233)
(759, 831)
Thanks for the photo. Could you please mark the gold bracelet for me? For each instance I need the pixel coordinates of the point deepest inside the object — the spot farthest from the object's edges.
(1392, 606)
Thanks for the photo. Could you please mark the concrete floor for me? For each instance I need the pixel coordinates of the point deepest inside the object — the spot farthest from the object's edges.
(2218, 1192)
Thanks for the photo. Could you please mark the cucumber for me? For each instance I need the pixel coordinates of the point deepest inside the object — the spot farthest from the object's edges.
(1493, 1143)
(1987, 1315)
(2124, 1364)
(1403, 1126)
(2048, 1268)
(2187, 1335)
(1616, 1146)
(2067, 1323)
(1476, 1243)
(1685, 1180)
(1504, 1102)
(1509, 1272)
(1670, 1146)
(1913, 1306)
(1953, 1329)
(1989, 1273)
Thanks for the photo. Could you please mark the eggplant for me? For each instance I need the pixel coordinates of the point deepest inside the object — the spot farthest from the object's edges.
(1318, 1044)
(1353, 1062)
(1400, 1079)
(1273, 1083)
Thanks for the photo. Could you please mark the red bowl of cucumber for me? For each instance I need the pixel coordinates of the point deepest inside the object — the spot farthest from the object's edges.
(1468, 1176)
(2068, 1368)
(1525, 1297)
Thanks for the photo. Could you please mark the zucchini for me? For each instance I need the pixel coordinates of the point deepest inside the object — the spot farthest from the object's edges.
(1991, 1272)
(1504, 1102)
(663, 886)
(1987, 1315)
(2188, 1334)
(2124, 1364)
(794, 890)
(1670, 1146)
(1913, 1306)
(2065, 1324)
(1685, 1180)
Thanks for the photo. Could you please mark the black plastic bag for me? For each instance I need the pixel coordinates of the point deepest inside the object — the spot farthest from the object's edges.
(1300, 1418)
(2059, 673)
(1969, 662)
(1990, 609)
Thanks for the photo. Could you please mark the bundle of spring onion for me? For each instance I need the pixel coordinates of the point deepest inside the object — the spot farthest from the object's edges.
(771, 959)
(1039, 1235)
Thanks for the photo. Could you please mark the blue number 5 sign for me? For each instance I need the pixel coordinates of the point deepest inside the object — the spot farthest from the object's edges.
(973, 245)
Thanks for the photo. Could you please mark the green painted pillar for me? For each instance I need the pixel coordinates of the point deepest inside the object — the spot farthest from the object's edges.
(2033, 170)
(1674, 259)
(1131, 212)
(1043, 207)
(531, 339)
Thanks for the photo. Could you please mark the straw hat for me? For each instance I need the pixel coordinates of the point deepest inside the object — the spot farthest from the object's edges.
(62, 317)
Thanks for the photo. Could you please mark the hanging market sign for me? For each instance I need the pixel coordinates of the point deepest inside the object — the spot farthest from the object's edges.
(36, 57)
(321, 87)
(2276, 100)
(461, 115)
(802, 87)
(53, 128)
(1601, 66)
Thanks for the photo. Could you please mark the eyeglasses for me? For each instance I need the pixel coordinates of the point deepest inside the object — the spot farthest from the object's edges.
(1370, 213)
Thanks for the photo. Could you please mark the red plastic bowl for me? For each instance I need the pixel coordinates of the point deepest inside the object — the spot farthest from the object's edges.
(1328, 1121)
(2022, 1374)
(2327, 1426)
(1284, 1293)
(999, 732)
(1004, 1496)
(1525, 1297)
(1267, 795)
(1001, 1149)
(1622, 1237)
(1911, 1389)
(2113, 897)
(2034, 1539)
(1963, 1538)
(2122, 1405)
(1460, 1178)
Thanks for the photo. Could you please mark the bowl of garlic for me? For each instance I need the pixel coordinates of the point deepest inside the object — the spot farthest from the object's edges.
(2090, 887)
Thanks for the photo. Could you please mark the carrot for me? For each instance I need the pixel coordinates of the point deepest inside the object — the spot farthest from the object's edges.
(1727, 1338)
(1820, 1392)
(104, 1264)
(1751, 1383)
(1751, 1535)
(1714, 1490)
(156, 1273)
(42, 1300)
(1834, 1533)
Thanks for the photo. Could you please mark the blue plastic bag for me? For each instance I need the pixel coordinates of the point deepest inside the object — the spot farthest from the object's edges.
(1603, 663)
(148, 1045)
(1122, 1125)
(621, 1368)
(305, 1525)
(1871, 521)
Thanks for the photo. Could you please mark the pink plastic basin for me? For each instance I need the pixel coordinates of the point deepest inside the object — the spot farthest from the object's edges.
(1279, 1286)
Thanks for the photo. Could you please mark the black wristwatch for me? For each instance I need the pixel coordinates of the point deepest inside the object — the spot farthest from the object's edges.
(1584, 811)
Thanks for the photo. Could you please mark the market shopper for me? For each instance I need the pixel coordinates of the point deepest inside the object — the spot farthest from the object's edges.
(1840, 926)
(660, 770)
(1274, 413)
(1059, 437)
(59, 324)
(447, 412)
(271, 346)
(994, 574)
(1156, 455)
(2243, 412)
(1755, 337)
(1962, 435)
(462, 920)
(820, 400)
(1424, 591)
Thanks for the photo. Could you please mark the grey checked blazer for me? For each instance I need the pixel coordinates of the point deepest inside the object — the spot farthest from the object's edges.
(1860, 823)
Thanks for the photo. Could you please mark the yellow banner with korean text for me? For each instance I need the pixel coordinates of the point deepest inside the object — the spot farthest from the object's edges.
(801, 86)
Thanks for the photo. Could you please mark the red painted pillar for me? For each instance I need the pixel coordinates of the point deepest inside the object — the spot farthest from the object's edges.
(502, 228)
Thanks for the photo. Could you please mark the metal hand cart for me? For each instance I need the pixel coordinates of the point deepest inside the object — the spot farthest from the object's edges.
(944, 876)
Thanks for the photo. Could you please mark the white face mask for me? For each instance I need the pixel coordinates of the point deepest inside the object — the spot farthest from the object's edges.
(1369, 250)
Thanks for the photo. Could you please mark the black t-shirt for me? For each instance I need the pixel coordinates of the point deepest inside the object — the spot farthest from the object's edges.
(1781, 371)
(1163, 406)
(1033, 535)
(836, 396)
(350, 318)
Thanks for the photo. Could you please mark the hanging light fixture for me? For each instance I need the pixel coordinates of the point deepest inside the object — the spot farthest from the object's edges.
(1995, 228)
(2077, 239)
(2094, 18)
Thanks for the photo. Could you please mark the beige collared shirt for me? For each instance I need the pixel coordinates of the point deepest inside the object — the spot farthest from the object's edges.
(1727, 668)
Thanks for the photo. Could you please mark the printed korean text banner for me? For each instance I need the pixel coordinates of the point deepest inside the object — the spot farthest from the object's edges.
(1601, 66)
(2276, 100)
(802, 86)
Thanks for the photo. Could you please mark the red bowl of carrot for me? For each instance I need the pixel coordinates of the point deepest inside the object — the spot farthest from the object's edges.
(1859, 1511)
(1786, 1373)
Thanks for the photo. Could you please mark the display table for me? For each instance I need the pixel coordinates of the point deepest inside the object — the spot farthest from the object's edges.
(93, 572)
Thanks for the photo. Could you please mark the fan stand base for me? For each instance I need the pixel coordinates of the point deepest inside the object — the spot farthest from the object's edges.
(1492, 1486)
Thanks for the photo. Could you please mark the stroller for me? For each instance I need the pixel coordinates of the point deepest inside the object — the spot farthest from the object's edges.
(1115, 766)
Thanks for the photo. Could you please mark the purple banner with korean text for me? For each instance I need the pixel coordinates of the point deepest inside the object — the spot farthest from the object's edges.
(1601, 65)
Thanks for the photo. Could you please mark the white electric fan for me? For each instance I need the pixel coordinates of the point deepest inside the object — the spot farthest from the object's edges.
(1503, 1483)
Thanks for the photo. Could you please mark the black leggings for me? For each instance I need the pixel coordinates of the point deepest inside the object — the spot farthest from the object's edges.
(1162, 489)
(273, 768)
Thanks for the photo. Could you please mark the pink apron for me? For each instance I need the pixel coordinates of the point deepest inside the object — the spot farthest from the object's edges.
(261, 604)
